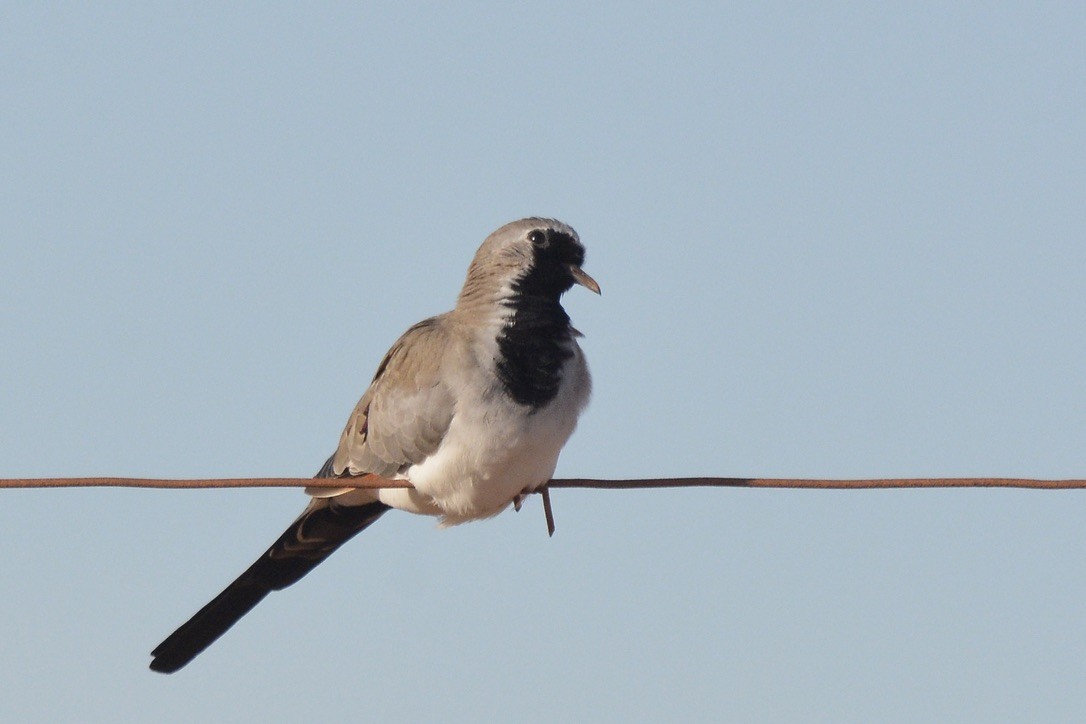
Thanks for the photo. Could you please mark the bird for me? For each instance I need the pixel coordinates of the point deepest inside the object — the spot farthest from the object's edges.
(472, 407)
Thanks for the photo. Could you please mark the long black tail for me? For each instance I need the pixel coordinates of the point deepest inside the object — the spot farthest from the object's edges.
(322, 528)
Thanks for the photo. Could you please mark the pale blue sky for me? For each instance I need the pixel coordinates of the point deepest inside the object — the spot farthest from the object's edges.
(833, 239)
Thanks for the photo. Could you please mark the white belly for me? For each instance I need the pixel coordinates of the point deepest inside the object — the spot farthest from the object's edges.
(492, 452)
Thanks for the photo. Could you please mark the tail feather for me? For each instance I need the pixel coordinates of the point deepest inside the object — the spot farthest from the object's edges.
(322, 528)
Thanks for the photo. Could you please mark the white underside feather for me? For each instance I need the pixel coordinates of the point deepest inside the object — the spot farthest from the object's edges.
(493, 450)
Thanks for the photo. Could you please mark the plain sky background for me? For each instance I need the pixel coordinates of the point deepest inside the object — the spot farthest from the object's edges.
(834, 240)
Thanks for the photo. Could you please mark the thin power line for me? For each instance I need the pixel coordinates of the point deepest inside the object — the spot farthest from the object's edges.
(375, 482)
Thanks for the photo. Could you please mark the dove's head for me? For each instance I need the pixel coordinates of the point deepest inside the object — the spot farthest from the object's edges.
(534, 257)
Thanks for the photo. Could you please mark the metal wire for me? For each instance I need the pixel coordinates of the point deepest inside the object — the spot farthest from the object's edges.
(377, 482)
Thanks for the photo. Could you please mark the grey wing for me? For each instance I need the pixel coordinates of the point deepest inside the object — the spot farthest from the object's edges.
(399, 421)
(403, 416)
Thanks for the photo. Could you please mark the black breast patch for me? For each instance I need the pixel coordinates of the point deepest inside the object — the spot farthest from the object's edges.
(536, 341)
(533, 347)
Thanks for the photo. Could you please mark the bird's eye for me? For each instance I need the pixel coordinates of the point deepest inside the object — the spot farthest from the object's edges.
(538, 238)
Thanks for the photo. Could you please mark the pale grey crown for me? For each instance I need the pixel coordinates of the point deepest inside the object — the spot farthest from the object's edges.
(509, 254)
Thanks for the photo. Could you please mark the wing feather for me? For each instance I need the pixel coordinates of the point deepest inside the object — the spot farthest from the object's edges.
(403, 416)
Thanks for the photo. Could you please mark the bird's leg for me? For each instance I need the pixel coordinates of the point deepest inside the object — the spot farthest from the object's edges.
(517, 502)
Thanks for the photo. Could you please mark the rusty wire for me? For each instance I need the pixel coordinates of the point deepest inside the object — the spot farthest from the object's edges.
(374, 482)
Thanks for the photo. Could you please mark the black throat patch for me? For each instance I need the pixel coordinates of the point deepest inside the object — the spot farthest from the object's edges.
(533, 347)
(536, 341)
